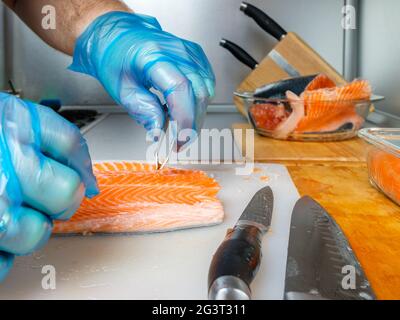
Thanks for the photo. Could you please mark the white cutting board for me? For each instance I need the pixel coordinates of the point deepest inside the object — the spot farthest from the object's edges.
(170, 265)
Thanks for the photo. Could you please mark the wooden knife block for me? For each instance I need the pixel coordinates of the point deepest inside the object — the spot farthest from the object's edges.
(298, 55)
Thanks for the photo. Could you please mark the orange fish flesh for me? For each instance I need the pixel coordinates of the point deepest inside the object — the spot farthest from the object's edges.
(135, 197)
(329, 108)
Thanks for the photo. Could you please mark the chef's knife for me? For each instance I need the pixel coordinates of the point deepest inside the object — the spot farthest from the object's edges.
(239, 53)
(321, 264)
(237, 260)
(264, 21)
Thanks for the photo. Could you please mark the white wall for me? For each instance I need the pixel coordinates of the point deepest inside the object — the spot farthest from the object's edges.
(41, 72)
(380, 50)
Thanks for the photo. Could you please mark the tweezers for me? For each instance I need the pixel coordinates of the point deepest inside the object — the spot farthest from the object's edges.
(161, 164)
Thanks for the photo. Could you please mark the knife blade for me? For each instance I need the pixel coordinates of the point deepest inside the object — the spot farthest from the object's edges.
(263, 20)
(237, 260)
(239, 53)
(321, 264)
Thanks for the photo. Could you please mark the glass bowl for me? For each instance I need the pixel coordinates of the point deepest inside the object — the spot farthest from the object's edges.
(286, 119)
(383, 159)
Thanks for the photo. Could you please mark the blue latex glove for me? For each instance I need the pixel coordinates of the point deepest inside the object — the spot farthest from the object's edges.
(45, 171)
(130, 53)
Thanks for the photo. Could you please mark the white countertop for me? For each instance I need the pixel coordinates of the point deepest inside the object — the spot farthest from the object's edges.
(118, 137)
(149, 266)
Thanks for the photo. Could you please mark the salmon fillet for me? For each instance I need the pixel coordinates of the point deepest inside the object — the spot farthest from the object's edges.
(328, 107)
(384, 170)
(135, 197)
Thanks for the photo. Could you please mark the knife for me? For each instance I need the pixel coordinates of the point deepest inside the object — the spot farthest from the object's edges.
(321, 264)
(237, 260)
(239, 53)
(264, 21)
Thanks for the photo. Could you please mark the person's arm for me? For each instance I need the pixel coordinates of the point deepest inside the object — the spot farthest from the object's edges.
(72, 18)
(130, 54)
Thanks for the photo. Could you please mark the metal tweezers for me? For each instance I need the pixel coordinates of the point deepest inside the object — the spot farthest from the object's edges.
(161, 164)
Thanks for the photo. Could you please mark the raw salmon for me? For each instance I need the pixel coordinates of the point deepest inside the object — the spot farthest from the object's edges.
(268, 116)
(284, 129)
(321, 81)
(277, 90)
(321, 108)
(384, 171)
(328, 107)
(135, 197)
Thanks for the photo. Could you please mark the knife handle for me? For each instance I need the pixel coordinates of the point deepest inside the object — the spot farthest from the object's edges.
(239, 53)
(263, 20)
(235, 264)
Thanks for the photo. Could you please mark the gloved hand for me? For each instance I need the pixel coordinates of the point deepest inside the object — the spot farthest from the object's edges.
(130, 53)
(45, 171)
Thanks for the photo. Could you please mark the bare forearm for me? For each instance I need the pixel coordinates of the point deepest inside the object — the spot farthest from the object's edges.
(72, 17)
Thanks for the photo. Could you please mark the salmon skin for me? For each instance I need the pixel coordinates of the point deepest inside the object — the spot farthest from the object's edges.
(137, 198)
(277, 90)
(384, 172)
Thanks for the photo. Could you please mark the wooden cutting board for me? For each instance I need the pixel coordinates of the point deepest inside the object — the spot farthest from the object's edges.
(266, 150)
(370, 221)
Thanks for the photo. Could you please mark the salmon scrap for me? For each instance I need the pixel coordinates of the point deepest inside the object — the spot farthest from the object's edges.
(322, 107)
(328, 107)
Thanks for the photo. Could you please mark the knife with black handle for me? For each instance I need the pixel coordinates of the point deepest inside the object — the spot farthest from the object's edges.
(237, 260)
(239, 53)
(263, 20)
